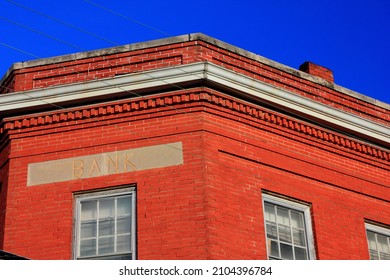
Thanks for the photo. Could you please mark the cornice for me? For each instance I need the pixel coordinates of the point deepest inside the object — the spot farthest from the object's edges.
(183, 97)
(128, 85)
(187, 39)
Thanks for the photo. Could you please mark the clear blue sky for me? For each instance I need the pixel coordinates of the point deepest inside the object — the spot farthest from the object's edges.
(350, 37)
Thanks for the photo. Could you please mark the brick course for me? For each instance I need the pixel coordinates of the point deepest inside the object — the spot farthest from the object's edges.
(234, 150)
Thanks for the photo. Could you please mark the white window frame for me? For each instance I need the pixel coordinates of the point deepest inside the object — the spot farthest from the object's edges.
(376, 229)
(304, 208)
(78, 198)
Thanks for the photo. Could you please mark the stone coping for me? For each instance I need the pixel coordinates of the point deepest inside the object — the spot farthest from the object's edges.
(189, 38)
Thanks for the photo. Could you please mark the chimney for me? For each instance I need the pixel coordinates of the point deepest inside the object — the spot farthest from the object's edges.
(317, 70)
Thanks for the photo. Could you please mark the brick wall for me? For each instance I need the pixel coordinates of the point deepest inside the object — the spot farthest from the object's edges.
(211, 206)
(110, 65)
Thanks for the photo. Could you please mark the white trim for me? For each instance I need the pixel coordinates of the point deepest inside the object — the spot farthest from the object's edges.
(299, 207)
(378, 229)
(102, 194)
(190, 73)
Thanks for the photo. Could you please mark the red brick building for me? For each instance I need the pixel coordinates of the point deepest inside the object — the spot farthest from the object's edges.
(190, 148)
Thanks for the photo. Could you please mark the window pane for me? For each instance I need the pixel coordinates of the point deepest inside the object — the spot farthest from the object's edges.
(286, 229)
(300, 253)
(123, 225)
(384, 256)
(284, 233)
(270, 212)
(88, 229)
(299, 237)
(106, 208)
(383, 246)
(88, 210)
(286, 251)
(273, 248)
(296, 219)
(124, 205)
(106, 245)
(371, 240)
(271, 230)
(87, 247)
(115, 257)
(283, 217)
(374, 255)
(123, 243)
(106, 227)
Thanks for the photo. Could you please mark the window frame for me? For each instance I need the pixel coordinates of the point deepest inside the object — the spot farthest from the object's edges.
(297, 206)
(378, 230)
(92, 195)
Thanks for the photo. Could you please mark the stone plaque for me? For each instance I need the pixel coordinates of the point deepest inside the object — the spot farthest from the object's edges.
(105, 164)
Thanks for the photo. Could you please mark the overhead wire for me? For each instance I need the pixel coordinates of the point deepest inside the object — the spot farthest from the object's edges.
(126, 17)
(62, 22)
(18, 50)
(91, 34)
(76, 72)
(40, 32)
(87, 32)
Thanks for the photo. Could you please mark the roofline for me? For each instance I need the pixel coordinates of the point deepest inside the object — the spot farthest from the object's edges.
(206, 71)
(189, 38)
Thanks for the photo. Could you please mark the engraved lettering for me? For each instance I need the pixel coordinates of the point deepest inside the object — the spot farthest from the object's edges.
(94, 169)
(114, 163)
(78, 168)
(127, 162)
(102, 164)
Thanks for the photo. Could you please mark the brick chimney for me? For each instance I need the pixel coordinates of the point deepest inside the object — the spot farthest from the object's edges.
(317, 70)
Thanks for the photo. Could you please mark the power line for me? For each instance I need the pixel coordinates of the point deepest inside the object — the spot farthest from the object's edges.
(62, 22)
(105, 82)
(18, 50)
(40, 32)
(127, 18)
(118, 14)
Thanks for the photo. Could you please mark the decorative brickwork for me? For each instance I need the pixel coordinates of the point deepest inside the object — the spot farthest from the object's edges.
(167, 102)
(234, 149)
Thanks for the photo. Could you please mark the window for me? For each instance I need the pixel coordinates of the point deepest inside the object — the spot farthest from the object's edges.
(288, 229)
(378, 242)
(105, 225)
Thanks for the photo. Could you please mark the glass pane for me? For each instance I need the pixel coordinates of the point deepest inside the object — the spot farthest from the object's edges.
(374, 255)
(271, 230)
(87, 247)
(273, 248)
(123, 225)
(270, 212)
(284, 233)
(296, 219)
(114, 257)
(124, 205)
(286, 251)
(300, 253)
(283, 217)
(88, 229)
(88, 210)
(371, 240)
(106, 245)
(107, 208)
(123, 243)
(106, 227)
(382, 243)
(299, 237)
(384, 256)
